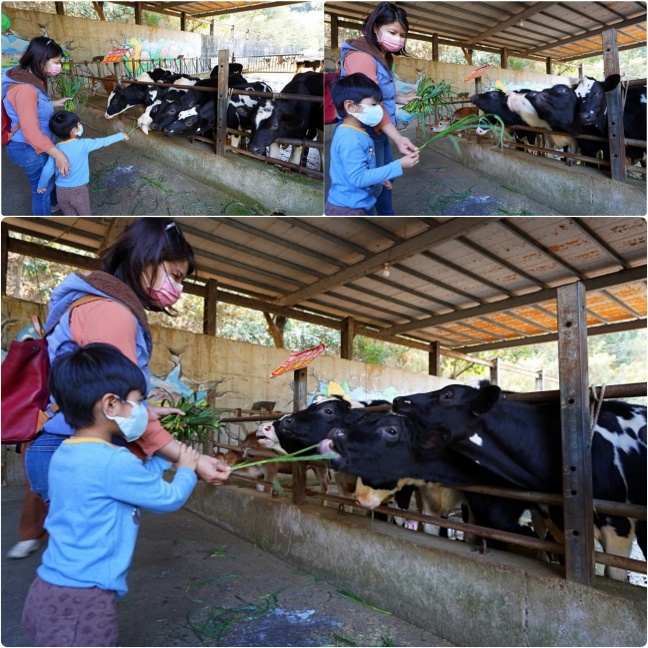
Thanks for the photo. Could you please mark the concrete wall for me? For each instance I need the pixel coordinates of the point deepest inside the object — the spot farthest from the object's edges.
(82, 38)
(579, 191)
(236, 373)
(445, 587)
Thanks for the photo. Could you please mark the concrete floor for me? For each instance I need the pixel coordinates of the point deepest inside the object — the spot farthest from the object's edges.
(194, 584)
(439, 186)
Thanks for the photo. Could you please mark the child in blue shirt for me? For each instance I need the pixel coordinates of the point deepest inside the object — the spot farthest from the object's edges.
(96, 491)
(353, 162)
(72, 192)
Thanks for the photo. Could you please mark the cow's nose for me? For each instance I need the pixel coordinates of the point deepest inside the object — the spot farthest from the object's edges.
(338, 433)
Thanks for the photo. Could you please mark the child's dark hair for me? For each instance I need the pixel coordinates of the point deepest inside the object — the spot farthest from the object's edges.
(38, 52)
(63, 122)
(80, 378)
(147, 241)
(384, 14)
(354, 87)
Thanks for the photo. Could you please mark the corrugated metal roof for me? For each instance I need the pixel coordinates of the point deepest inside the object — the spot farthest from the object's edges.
(471, 283)
(564, 31)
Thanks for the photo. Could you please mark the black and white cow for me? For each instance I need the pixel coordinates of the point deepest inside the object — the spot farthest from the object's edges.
(495, 102)
(124, 97)
(197, 117)
(289, 117)
(234, 68)
(521, 443)
(593, 110)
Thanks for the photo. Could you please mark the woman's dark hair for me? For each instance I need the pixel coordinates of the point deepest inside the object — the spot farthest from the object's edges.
(355, 87)
(38, 52)
(80, 378)
(147, 241)
(384, 14)
(63, 122)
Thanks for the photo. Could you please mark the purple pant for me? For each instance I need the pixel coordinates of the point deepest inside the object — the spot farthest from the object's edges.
(334, 210)
(74, 201)
(70, 616)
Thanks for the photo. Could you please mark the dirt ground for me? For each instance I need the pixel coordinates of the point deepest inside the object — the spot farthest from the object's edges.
(194, 584)
(439, 186)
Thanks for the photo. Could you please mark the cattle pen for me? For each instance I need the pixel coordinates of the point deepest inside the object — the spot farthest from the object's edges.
(128, 76)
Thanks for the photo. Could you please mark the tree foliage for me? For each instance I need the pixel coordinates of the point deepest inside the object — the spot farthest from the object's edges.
(613, 359)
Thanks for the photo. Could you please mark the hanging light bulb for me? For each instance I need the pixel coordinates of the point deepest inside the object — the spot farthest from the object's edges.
(385, 270)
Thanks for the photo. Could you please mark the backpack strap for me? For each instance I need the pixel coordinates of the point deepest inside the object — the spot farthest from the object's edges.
(12, 132)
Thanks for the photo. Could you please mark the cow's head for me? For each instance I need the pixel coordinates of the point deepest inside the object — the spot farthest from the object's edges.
(374, 446)
(447, 415)
(271, 123)
(309, 426)
(116, 102)
(591, 93)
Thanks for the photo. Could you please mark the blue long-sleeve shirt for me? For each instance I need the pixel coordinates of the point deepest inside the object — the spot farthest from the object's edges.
(77, 152)
(96, 491)
(353, 169)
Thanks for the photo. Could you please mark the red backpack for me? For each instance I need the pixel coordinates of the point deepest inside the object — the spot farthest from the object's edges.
(7, 131)
(330, 115)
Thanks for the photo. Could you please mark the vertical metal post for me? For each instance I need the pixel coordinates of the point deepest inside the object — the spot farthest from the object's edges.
(300, 395)
(616, 133)
(222, 101)
(576, 437)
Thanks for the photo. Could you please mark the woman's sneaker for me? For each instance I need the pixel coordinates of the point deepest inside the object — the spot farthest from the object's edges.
(23, 548)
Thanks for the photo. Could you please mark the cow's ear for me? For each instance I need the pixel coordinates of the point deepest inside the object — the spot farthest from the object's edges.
(611, 82)
(486, 398)
(294, 121)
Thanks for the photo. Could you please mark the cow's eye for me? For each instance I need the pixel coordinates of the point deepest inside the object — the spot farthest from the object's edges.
(390, 432)
(328, 410)
(447, 395)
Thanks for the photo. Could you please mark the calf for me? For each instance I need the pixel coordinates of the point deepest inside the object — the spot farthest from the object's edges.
(289, 117)
(462, 113)
(123, 98)
(305, 65)
(592, 110)
(521, 443)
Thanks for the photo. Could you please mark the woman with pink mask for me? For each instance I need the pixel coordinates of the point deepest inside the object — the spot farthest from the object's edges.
(141, 271)
(29, 107)
(384, 34)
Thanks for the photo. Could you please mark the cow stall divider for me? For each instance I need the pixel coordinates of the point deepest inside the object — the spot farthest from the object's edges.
(577, 551)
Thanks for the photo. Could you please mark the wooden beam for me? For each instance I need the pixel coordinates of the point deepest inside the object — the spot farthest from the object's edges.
(99, 8)
(60, 8)
(138, 13)
(335, 37)
(616, 131)
(434, 236)
(346, 341)
(222, 101)
(434, 364)
(210, 320)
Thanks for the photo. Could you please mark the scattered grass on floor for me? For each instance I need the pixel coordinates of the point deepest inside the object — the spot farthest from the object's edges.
(208, 581)
(441, 203)
(343, 640)
(212, 622)
(356, 599)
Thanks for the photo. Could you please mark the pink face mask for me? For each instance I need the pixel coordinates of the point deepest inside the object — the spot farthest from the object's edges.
(55, 69)
(391, 43)
(167, 294)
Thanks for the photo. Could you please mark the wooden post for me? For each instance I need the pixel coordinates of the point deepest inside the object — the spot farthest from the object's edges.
(434, 359)
(549, 65)
(335, 37)
(347, 337)
(504, 58)
(495, 372)
(60, 8)
(300, 396)
(222, 101)
(435, 47)
(210, 307)
(614, 107)
(576, 436)
(138, 13)
(183, 21)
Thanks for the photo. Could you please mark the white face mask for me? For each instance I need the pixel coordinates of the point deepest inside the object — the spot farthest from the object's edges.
(80, 127)
(370, 115)
(133, 426)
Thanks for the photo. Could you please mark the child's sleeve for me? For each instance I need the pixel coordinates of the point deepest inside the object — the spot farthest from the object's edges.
(131, 482)
(48, 171)
(100, 142)
(354, 161)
